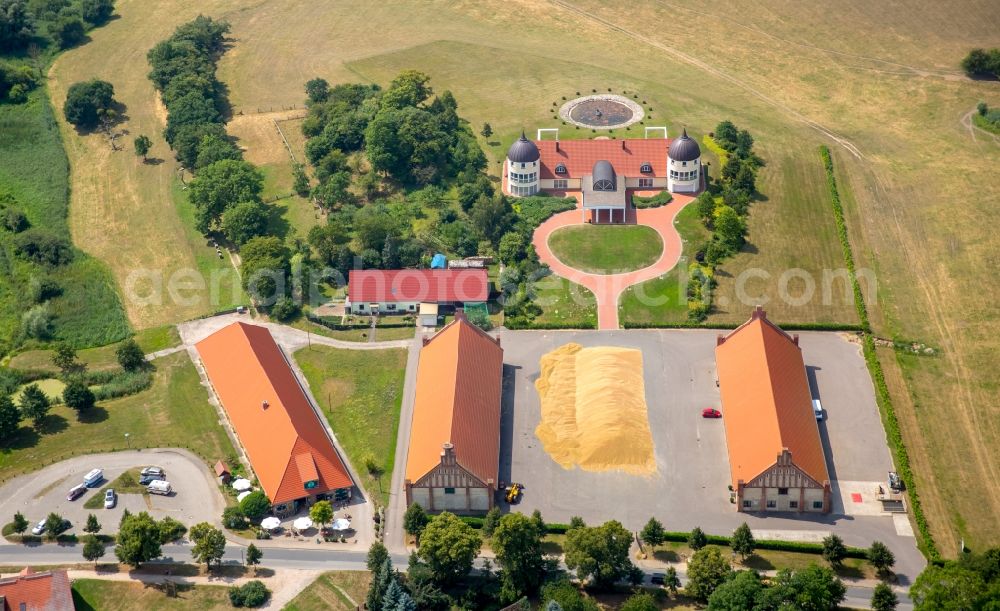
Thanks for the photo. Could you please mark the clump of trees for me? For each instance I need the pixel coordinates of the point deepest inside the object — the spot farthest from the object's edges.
(970, 582)
(981, 63)
(16, 81)
(62, 22)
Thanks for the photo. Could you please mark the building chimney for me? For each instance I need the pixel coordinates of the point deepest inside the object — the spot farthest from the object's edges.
(720, 339)
(264, 404)
(460, 314)
(795, 339)
(557, 145)
(758, 312)
(447, 453)
(623, 144)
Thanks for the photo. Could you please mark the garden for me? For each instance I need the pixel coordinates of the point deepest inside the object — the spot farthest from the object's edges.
(606, 249)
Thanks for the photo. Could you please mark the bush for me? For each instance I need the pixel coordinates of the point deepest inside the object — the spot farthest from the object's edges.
(251, 594)
(654, 201)
(43, 247)
(171, 530)
(233, 518)
(255, 506)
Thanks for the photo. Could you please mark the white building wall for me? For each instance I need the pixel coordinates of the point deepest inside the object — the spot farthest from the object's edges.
(522, 186)
(659, 182)
(399, 307)
(684, 168)
(549, 184)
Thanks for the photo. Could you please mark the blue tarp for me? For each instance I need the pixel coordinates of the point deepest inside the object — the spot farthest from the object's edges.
(439, 262)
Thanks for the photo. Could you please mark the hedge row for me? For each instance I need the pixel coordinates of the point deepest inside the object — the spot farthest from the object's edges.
(770, 544)
(552, 529)
(340, 327)
(517, 325)
(884, 400)
(814, 326)
(655, 201)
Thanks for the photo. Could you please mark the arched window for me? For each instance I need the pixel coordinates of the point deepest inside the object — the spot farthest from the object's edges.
(646, 168)
(561, 169)
(604, 176)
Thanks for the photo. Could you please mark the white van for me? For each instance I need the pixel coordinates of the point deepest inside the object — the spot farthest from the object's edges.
(93, 478)
(158, 486)
(818, 409)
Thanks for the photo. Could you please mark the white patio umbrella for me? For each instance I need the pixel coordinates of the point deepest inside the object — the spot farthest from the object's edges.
(270, 523)
(242, 484)
(302, 523)
(242, 495)
(341, 524)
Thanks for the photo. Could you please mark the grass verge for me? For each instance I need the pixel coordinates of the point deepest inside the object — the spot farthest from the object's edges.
(361, 393)
(126, 483)
(606, 249)
(336, 590)
(104, 595)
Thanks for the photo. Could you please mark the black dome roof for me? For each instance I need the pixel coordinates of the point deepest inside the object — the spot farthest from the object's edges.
(684, 148)
(523, 150)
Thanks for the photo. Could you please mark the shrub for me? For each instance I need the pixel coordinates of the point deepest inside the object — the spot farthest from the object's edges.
(37, 322)
(233, 518)
(171, 530)
(43, 247)
(251, 594)
(255, 506)
(653, 201)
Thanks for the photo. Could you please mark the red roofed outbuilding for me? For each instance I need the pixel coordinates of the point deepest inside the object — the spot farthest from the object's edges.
(36, 591)
(377, 291)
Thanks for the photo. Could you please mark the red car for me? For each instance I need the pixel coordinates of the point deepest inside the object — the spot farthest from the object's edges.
(711, 412)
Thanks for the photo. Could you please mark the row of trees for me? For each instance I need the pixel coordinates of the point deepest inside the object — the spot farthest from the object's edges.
(41, 22)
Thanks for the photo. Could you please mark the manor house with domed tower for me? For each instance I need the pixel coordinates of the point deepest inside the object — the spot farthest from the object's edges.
(605, 172)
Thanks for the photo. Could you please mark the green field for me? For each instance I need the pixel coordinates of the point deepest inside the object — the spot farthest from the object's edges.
(606, 249)
(334, 590)
(104, 595)
(102, 358)
(174, 412)
(361, 393)
(663, 300)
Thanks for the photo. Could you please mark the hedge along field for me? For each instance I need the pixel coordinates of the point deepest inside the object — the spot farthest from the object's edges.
(35, 172)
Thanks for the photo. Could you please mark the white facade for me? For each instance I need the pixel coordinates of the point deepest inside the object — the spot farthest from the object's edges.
(384, 307)
(683, 176)
(522, 177)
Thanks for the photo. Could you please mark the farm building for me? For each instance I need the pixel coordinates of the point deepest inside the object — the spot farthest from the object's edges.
(401, 291)
(280, 431)
(775, 453)
(604, 172)
(32, 590)
(454, 455)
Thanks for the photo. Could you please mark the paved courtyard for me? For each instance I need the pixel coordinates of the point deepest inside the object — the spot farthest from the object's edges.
(690, 486)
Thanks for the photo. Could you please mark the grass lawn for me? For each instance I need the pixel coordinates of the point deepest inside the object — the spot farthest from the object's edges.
(663, 300)
(126, 483)
(606, 249)
(769, 560)
(336, 590)
(356, 335)
(360, 392)
(174, 412)
(104, 595)
(150, 340)
(565, 303)
(52, 387)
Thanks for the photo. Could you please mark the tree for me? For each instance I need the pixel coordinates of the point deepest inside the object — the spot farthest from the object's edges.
(255, 506)
(321, 513)
(947, 588)
(381, 579)
(16, 28)
(566, 596)
(97, 12)
(233, 518)
(78, 396)
(215, 147)
(490, 521)
(652, 533)
(487, 130)
(87, 101)
(300, 180)
(517, 542)
(742, 541)
(448, 546)
(221, 185)
(138, 539)
(68, 30)
(43, 246)
(93, 550)
(980, 63)
(511, 247)
(170, 530)
(251, 594)
(706, 206)
(883, 598)
(130, 356)
(34, 404)
(318, 90)
(642, 601)
(730, 228)
(142, 145)
(815, 588)
(726, 134)
(737, 593)
(10, 419)
(244, 221)
(671, 581)
(881, 557)
(697, 539)
(284, 309)
(377, 554)
(492, 216)
(600, 553)
(93, 526)
(834, 550)
(55, 524)
(253, 556)
(707, 570)
(65, 359)
(20, 524)
(415, 520)
(209, 544)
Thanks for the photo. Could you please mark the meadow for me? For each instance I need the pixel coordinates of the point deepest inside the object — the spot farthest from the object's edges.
(878, 82)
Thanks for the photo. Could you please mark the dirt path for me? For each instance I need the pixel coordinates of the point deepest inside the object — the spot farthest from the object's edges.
(607, 288)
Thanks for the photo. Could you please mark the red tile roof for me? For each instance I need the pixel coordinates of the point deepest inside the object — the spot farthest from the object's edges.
(458, 402)
(284, 439)
(579, 156)
(431, 285)
(766, 402)
(44, 591)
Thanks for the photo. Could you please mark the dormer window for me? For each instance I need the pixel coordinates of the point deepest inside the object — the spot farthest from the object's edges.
(561, 169)
(646, 168)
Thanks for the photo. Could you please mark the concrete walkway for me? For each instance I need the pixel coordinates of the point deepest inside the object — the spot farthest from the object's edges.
(607, 288)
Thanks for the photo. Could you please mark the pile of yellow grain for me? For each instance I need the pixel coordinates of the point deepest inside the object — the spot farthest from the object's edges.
(594, 409)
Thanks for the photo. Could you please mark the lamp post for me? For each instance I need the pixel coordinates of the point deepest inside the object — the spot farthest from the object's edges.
(127, 442)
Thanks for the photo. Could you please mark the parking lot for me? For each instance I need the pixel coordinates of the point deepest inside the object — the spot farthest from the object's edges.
(195, 497)
(690, 486)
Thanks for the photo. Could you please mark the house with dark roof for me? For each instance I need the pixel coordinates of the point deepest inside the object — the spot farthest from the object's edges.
(32, 590)
(604, 172)
(776, 455)
(401, 291)
(454, 454)
(280, 430)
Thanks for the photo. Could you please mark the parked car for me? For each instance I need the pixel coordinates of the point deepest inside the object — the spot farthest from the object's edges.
(157, 471)
(146, 480)
(658, 578)
(110, 498)
(76, 492)
(711, 412)
(159, 487)
(39, 528)
(818, 409)
(92, 479)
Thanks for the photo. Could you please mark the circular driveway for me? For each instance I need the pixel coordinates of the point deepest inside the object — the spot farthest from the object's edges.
(195, 498)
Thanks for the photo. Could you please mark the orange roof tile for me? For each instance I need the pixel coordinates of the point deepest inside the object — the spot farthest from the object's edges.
(766, 402)
(626, 156)
(457, 401)
(38, 591)
(285, 441)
